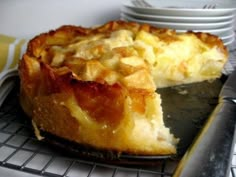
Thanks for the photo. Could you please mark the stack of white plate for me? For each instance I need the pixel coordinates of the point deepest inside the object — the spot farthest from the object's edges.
(214, 18)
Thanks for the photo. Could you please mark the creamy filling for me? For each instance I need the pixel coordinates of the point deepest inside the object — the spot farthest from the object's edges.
(122, 55)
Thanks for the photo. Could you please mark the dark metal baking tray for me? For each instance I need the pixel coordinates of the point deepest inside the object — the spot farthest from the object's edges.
(210, 154)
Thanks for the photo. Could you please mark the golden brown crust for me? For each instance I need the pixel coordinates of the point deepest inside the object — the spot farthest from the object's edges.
(103, 94)
(68, 32)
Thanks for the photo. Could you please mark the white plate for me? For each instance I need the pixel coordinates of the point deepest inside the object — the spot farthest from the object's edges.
(204, 19)
(180, 26)
(180, 8)
(219, 31)
(222, 33)
(228, 41)
(228, 37)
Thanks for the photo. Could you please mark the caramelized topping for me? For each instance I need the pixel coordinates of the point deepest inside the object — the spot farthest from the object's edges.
(104, 103)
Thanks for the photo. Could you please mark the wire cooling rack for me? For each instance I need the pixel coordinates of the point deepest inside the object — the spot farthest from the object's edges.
(20, 150)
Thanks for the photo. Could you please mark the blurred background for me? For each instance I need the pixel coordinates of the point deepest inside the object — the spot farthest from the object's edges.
(26, 18)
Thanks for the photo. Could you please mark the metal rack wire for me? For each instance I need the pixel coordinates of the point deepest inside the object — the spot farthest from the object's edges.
(20, 150)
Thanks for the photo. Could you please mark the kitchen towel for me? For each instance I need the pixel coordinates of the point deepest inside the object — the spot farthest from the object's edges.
(11, 50)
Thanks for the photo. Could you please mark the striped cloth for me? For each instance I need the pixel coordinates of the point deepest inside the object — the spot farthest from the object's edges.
(11, 50)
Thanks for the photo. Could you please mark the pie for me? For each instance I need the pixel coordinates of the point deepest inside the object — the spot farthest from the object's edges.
(97, 86)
